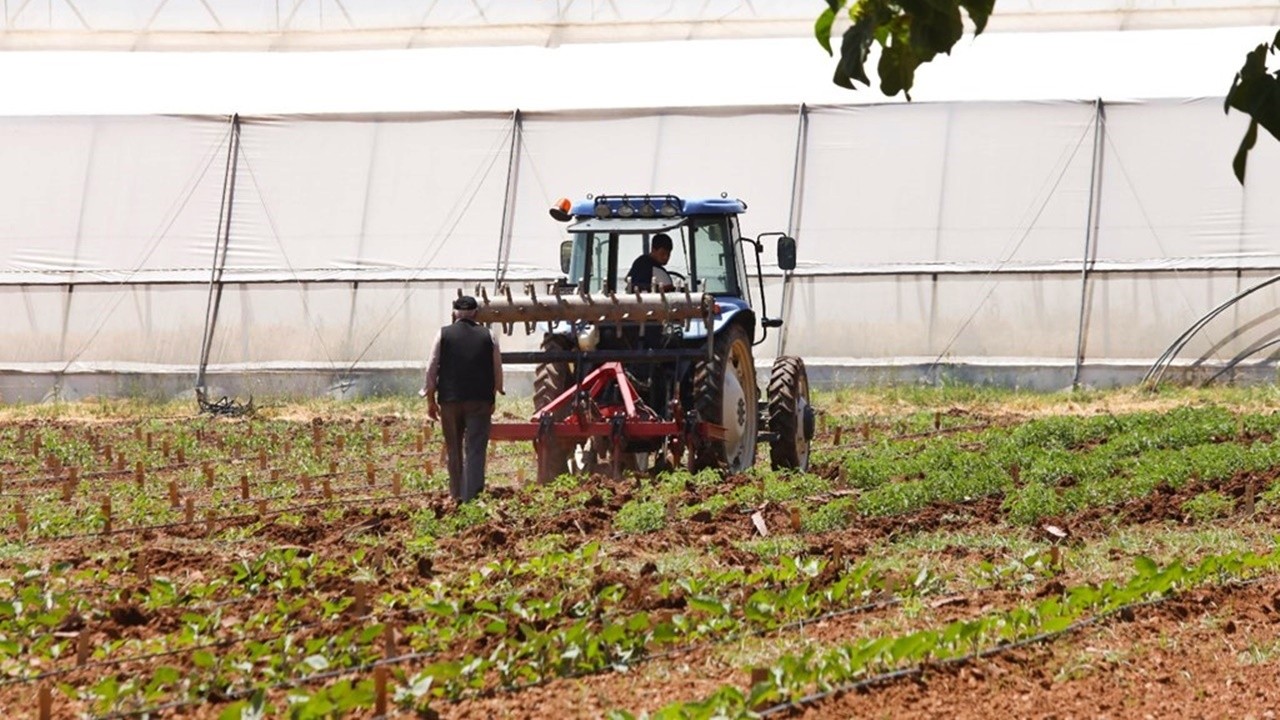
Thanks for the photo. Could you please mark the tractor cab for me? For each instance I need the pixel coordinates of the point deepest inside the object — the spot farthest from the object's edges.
(608, 233)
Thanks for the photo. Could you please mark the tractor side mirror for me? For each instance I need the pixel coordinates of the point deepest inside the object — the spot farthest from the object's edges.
(566, 256)
(787, 253)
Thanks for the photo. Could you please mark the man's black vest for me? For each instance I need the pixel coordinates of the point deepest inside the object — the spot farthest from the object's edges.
(466, 363)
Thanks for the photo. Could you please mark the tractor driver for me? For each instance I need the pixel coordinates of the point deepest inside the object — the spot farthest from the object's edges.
(646, 272)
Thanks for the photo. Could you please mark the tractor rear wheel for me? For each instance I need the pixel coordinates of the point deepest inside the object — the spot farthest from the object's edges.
(725, 393)
(550, 381)
(790, 416)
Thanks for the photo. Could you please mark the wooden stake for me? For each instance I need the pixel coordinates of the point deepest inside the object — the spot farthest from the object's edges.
(73, 475)
(262, 507)
(82, 647)
(119, 462)
(244, 487)
(340, 443)
(306, 485)
(166, 448)
(67, 490)
(189, 511)
(275, 474)
(396, 480)
(333, 467)
(386, 435)
(417, 444)
(35, 446)
(20, 514)
(327, 489)
(937, 420)
(380, 691)
(207, 468)
(795, 519)
(836, 441)
(106, 454)
(174, 501)
(137, 432)
(45, 703)
(149, 443)
(428, 469)
(106, 515)
(389, 649)
(361, 594)
(211, 520)
(369, 473)
(182, 456)
(140, 567)
(262, 458)
(1248, 497)
(139, 474)
(288, 448)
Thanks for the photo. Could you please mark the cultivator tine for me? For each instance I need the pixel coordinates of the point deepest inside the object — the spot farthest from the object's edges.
(528, 310)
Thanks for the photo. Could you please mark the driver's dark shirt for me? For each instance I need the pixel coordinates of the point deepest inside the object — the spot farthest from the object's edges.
(641, 273)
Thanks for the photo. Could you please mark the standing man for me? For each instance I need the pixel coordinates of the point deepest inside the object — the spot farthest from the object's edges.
(647, 273)
(463, 377)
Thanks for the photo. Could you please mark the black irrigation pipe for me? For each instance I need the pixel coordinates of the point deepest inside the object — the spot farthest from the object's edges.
(400, 659)
(247, 692)
(799, 704)
(683, 649)
(231, 519)
(225, 642)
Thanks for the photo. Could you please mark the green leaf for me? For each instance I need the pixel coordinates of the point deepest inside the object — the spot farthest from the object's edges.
(822, 29)
(202, 659)
(1242, 154)
(853, 55)
(1146, 566)
(979, 12)
(318, 663)
(708, 605)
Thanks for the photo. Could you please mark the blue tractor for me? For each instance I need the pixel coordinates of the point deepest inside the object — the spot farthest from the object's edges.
(682, 386)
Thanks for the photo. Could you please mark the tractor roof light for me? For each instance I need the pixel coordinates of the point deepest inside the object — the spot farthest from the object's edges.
(647, 210)
(669, 209)
(560, 211)
(625, 210)
(602, 210)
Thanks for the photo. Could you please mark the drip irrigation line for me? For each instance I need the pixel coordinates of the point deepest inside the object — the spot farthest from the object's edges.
(799, 704)
(231, 519)
(283, 684)
(683, 649)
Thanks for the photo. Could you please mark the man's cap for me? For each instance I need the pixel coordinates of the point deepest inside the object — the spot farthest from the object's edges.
(466, 302)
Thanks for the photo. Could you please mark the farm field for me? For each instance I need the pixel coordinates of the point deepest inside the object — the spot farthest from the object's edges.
(952, 552)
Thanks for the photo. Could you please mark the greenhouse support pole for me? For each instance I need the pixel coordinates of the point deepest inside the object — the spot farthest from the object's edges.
(509, 201)
(1090, 234)
(220, 250)
(793, 221)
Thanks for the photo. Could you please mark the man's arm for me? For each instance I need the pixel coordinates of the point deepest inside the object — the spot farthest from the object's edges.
(433, 371)
(497, 367)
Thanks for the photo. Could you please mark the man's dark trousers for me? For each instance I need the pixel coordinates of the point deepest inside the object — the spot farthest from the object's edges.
(466, 437)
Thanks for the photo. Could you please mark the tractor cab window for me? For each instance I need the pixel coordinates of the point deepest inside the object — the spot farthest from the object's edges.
(717, 264)
(603, 259)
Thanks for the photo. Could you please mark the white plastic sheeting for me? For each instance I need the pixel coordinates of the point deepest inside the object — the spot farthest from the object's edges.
(311, 24)
(930, 234)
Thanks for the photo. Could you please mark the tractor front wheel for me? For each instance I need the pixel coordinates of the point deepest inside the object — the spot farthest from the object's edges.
(790, 415)
(725, 393)
(550, 381)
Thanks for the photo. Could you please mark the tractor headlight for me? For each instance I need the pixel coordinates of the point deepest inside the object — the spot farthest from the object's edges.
(588, 338)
